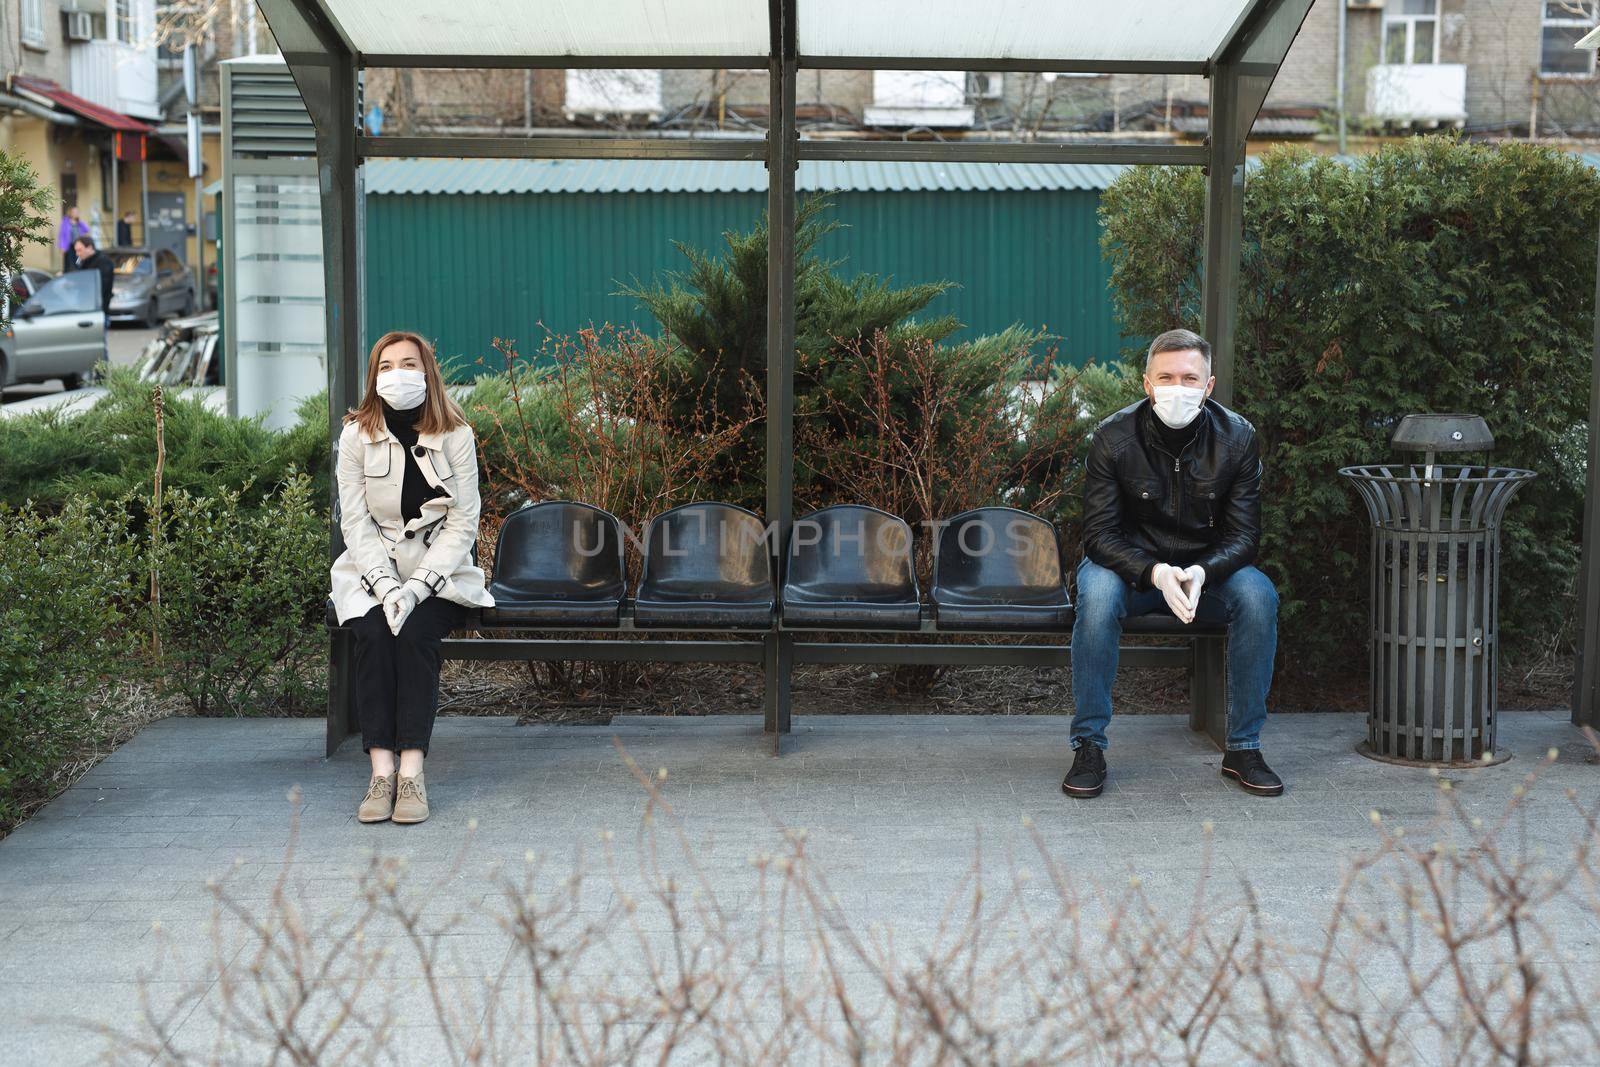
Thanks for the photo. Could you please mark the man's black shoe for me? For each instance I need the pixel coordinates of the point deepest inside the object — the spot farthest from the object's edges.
(1088, 774)
(1250, 768)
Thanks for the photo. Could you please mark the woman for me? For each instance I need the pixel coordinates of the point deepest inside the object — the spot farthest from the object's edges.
(72, 227)
(408, 502)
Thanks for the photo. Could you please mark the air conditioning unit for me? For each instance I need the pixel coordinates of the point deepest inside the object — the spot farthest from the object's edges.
(1364, 5)
(986, 86)
(80, 25)
(601, 93)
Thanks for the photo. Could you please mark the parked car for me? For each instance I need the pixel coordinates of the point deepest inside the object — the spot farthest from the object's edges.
(149, 286)
(57, 331)
(188, 351)
(186, 355)
(26, 282)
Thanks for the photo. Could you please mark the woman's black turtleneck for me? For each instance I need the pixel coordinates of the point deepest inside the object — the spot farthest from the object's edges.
(414, 488)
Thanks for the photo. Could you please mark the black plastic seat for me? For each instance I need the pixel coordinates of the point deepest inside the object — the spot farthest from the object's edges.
(706, 566)
(558, 563)
(849, 567)
(999, 569)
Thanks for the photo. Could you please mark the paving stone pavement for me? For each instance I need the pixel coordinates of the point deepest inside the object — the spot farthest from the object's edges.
(105, 911)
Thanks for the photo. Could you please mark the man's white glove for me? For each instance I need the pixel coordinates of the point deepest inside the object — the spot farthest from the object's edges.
(1194, 578)
(1169, 580)
(397, 605)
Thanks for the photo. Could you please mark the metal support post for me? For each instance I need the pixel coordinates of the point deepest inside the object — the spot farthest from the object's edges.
(782, 143)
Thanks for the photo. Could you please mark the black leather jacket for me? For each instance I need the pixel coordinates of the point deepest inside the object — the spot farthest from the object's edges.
(1142, 505)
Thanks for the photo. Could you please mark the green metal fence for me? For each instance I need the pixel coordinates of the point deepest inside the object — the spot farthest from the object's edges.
(465, 269)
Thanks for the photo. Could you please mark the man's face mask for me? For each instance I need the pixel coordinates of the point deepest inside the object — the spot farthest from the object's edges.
(1177, 405)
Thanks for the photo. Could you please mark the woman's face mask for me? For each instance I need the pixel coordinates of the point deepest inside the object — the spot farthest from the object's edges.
(1177, 405)
(403, 389)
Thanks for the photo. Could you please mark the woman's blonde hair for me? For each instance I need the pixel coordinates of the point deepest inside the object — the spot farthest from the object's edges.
(440, 413)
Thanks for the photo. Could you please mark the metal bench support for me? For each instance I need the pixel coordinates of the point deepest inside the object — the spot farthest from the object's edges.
(777, 668)
(341, 696)
(1208, 688)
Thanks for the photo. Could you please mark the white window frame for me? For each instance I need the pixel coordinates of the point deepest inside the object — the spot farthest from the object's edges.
(1410, 22)
(1575, 20)
(126, 22)
(33, 22)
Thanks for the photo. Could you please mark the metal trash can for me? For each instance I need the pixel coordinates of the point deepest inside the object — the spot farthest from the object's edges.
(1435, 593)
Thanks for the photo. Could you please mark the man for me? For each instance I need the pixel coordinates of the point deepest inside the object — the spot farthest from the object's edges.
(71, 226)
(89, 258)
(125, 230)
(1172, 519)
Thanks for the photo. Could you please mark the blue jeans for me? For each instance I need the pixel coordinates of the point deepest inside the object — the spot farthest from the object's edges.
(1246, 601)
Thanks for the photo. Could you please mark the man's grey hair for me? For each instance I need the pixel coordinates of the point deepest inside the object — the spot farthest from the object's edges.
(1179, 341)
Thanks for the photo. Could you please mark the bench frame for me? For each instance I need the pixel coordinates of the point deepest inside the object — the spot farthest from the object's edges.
(779, 649)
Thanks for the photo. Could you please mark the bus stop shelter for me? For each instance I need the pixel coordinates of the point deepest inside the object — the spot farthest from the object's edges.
(1238, 46)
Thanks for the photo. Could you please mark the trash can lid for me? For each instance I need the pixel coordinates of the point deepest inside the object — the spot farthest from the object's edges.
(1442, 433)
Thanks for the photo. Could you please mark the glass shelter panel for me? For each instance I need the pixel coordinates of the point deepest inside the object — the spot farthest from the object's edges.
(278, 317)
(1160, 30)
(557, 27)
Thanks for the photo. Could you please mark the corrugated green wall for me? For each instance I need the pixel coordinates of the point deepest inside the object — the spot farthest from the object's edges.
(464, 269)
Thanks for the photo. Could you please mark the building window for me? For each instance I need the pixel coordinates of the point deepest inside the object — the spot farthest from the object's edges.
(1411, 32)
(1564, 22)
(122, 21)
(33, 21)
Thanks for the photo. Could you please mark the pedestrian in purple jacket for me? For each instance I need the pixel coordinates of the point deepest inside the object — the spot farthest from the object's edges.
(72, 227)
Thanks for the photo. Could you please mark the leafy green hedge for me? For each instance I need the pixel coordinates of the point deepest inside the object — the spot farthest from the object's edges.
(64, 591)
(1430, 276)
(241, 593)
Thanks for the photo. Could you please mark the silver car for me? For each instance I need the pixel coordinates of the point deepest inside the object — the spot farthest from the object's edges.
(149, 286)
(57, 330)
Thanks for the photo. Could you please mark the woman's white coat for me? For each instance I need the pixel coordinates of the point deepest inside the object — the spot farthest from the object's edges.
(381, 549)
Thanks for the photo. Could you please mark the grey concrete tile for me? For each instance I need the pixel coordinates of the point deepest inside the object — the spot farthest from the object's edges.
(70, 1022)
(894, 808)
(146, 959)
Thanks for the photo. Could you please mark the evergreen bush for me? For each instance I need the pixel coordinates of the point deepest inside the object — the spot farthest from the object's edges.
(1430, 276)
(242, 594)
(109, 451)
(717, 311)
(64, 594)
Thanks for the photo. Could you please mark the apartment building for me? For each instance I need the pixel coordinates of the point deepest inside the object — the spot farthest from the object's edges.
(93, 99)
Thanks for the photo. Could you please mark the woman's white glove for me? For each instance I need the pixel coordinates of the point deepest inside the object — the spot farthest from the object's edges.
(397, 605)
(1169, 580)
(1194, 578)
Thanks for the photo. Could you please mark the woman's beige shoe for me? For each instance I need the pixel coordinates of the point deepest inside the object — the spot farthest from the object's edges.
(378, 804)
(411, 800)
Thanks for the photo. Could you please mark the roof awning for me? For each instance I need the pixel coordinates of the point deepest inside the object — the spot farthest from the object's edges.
(177, 147)
(45, 91)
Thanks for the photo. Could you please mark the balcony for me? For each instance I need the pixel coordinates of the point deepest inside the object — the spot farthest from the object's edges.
(116, 76)
(919, 98)
(1417, 94)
